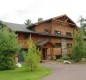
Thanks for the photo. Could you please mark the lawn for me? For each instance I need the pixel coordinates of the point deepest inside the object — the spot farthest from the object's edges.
(22, 74)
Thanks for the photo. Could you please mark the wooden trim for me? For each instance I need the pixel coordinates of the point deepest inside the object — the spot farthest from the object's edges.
(64, 22)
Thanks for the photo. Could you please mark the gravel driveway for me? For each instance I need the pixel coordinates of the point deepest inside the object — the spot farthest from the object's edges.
(62, 71)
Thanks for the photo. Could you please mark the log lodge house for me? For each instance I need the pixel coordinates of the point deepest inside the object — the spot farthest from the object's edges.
(52, 36)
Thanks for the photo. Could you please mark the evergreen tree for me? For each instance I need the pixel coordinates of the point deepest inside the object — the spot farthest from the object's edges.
(8, 48)
(32, 58)
(78, 48)
(40, 19)
(28, 22)
(82, 22)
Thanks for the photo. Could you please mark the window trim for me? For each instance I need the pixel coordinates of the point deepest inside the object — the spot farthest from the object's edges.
(68, 33)
(69, 45)
(56, 32)
(58, 45)
(46, 31)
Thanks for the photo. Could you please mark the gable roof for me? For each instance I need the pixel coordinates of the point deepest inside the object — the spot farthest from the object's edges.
(51, 20)
(43, 42)
(64, 16)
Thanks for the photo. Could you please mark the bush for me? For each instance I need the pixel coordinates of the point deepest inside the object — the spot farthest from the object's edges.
(6, 62)
(8, 48)
(60, 60)
(78, 48)
(66, 58)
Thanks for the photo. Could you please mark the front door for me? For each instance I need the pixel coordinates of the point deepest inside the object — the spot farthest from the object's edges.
(44, 52)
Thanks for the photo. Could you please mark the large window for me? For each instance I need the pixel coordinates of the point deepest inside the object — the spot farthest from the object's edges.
(68, 34)
(46, 31)
(58, 45)
(57, 32)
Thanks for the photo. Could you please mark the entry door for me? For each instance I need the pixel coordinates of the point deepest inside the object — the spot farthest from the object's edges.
(20, 56)
(44, 52)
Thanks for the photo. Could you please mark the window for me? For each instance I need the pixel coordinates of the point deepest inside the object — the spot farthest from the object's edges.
(58, 45)
(69, 45)
(68, 34)
(57, 32)
(46, 31)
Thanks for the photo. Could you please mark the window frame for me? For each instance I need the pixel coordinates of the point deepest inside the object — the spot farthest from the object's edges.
(69, 45)
(46, 31)
(56, 32)
(58, 45)
(68, 33)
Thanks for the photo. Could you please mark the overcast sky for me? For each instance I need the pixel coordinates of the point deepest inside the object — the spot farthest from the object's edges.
(17, 11)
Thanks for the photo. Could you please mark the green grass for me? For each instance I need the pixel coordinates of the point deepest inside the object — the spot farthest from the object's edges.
(22, 74)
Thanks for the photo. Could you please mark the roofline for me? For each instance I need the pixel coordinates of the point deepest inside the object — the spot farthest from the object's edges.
(45, 43)
(27, 32)
(35, 24)
(64, 15)
(12, 23)
(51, 19)
(49, 35)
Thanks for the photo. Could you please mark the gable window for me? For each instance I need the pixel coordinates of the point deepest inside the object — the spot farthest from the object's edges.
(58, 45)
(46, 31)
(68, 34)
(57, 32)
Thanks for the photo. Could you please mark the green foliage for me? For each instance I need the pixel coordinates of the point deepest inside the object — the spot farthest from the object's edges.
(61, 59)
(32, 58)
(78, 48)
(28, 22)
(82, 22)
(66, 58)
(22, 74)
(8, 48)
(40, 19)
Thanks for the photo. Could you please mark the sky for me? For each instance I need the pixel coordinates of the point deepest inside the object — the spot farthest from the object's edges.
(18, 11)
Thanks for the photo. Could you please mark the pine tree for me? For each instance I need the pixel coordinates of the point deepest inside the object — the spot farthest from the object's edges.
(78, 48)
(8, 48)
(32, 58)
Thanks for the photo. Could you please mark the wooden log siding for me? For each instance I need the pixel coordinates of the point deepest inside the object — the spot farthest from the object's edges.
(23, 43)
(56, 51)
(62, 23)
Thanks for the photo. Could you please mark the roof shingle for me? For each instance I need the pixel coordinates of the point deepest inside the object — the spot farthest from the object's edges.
(18, 27)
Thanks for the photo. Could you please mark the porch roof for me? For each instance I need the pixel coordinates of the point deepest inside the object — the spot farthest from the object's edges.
(44, 42)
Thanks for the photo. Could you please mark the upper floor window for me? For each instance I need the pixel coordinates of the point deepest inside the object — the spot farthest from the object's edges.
(58, 45)
(46, 31)
(57, 32)
(68, 34)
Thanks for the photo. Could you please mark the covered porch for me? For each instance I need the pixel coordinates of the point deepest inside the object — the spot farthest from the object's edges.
(43, 46)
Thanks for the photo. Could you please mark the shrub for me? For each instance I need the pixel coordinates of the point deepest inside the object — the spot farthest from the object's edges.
(66, 58)
(60, 60)
(78, 48)
(8, 48)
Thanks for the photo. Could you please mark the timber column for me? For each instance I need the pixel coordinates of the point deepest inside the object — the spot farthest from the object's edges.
(64, 47)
